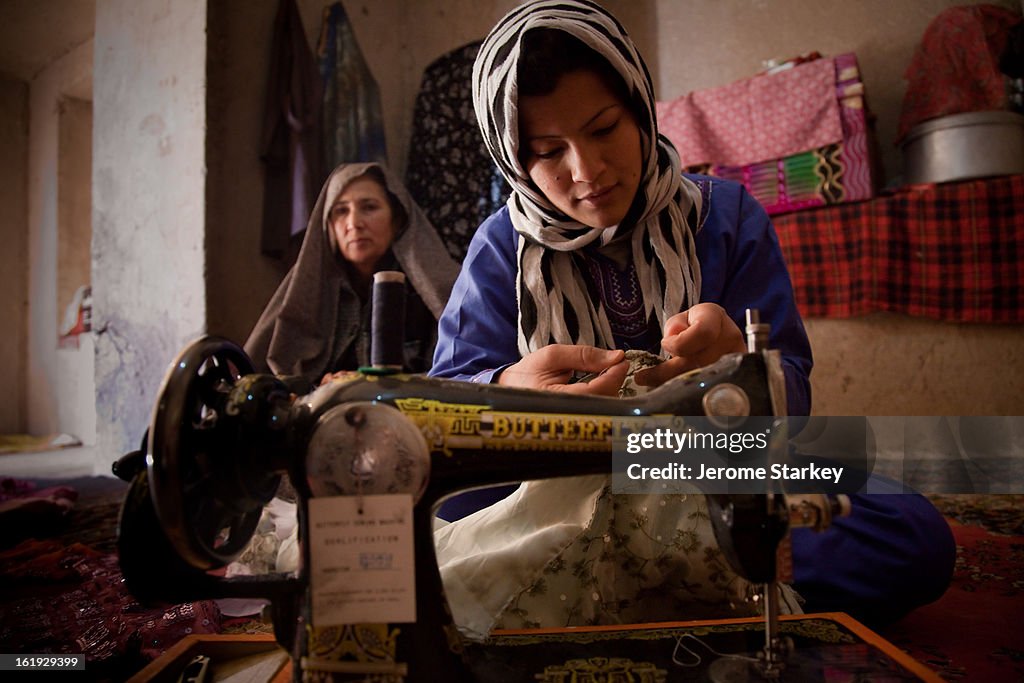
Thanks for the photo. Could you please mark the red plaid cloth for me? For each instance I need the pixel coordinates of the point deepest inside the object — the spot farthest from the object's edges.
(949, 252)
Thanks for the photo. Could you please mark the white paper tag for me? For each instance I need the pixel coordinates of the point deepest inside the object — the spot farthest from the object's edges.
(362, 566)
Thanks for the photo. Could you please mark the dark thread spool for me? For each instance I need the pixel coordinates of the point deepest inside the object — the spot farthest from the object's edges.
(387, 325)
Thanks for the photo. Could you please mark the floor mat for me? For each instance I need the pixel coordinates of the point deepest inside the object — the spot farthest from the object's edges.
(973, 632)
(26, 443)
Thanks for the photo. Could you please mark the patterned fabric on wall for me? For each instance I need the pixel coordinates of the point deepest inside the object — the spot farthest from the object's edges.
(353, 126)
(797, 139)
(450, 174)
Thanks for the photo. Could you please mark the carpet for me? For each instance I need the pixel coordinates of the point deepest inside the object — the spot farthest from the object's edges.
(60, 592)
(26, 443)
(974, 633)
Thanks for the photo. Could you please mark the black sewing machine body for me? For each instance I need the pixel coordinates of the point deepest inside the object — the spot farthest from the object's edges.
(221, 438)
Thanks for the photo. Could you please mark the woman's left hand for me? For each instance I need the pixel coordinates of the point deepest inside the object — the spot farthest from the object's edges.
(341, 374)
(696, 337)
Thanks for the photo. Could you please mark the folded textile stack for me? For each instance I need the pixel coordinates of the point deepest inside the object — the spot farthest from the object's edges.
(797, 138)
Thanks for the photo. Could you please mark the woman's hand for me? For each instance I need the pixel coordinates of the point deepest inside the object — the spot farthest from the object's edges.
(341, 374)
(552, 368)
(696, 337)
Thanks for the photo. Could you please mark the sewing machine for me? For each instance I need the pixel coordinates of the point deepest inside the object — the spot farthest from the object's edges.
(221, 438)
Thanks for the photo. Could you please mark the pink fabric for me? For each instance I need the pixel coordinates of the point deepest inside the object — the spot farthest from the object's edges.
(858, 180)
(756, 119)
(955, 69)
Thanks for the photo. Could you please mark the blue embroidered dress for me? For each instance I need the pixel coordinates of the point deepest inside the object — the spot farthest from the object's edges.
(893, 553)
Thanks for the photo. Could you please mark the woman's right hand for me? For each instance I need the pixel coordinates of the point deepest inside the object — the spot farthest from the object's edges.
(551, 368)
(696, 337)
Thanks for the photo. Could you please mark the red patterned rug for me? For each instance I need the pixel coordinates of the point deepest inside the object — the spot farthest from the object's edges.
(975, 632)
(61, 589)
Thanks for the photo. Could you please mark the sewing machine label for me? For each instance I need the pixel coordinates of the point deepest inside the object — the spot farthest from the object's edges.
(362, 567)
(449, 426)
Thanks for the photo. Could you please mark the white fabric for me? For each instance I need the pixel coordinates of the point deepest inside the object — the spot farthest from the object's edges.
(569, 552)
(489, 557)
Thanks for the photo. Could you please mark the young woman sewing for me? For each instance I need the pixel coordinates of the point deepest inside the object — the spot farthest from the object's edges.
(605, 246)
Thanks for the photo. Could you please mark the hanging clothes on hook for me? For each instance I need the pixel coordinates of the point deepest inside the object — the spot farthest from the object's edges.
(449, 173)
(290, 146)
(352, 123)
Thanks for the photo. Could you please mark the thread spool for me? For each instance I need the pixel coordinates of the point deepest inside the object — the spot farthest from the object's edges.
(387, 323)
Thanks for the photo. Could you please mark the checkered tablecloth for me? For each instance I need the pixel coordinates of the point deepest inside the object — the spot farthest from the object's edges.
(948, 252)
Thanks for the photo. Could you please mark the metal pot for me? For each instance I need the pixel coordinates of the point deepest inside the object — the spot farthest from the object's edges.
(961, 146)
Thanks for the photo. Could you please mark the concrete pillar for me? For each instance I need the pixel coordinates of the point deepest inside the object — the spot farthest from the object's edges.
(149, 192)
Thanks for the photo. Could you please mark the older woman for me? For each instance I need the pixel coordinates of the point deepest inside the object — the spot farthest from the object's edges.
(605, 246)
(317, 322)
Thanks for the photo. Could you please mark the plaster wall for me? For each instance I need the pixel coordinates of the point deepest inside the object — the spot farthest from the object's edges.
(149, 194)
(14, 256)
(707, 44)
(59, 381)
(887, 364)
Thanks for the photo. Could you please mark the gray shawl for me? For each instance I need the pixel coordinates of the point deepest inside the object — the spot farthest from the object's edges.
(315, 314)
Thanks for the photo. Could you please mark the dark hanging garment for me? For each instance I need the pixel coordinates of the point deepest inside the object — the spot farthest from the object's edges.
(450, 174)
(353, 127)
(290, 146)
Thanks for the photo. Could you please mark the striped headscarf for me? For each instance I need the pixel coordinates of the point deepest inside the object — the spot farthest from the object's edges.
(554, 301)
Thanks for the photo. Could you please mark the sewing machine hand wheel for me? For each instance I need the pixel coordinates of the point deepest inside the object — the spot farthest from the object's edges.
(207, 499)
